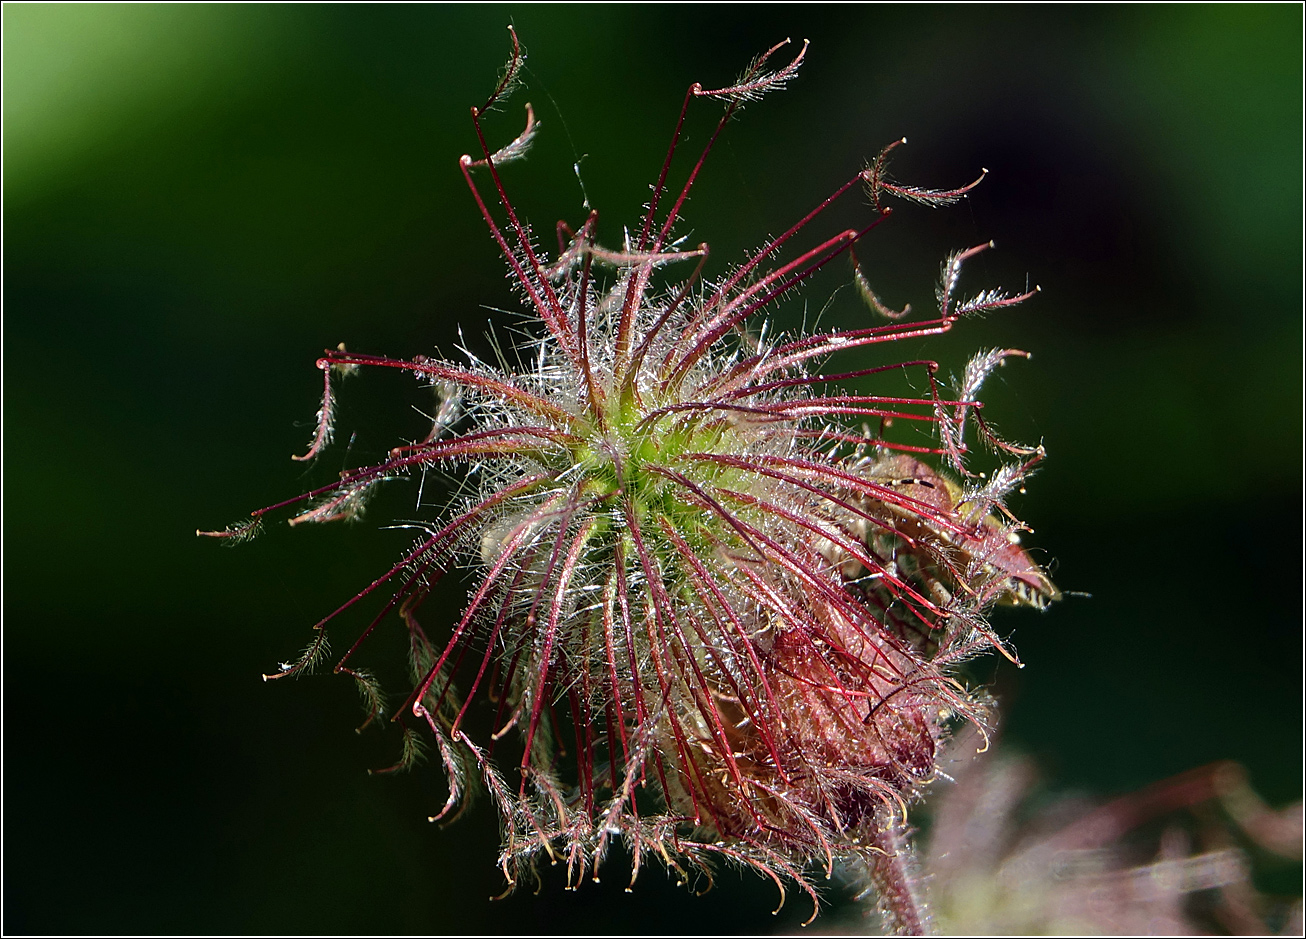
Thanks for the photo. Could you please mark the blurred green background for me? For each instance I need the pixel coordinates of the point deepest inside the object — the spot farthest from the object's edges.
(197, 200)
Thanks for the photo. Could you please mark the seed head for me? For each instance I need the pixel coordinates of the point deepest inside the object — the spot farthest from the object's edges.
(716, 620)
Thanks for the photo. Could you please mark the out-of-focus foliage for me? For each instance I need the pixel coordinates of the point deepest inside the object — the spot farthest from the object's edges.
(200, 199)
(1174, 858)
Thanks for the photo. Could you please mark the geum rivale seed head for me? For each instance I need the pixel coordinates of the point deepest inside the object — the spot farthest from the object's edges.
(713, 618)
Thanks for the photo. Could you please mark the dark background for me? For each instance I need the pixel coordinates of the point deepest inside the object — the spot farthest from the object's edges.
(198, 200)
